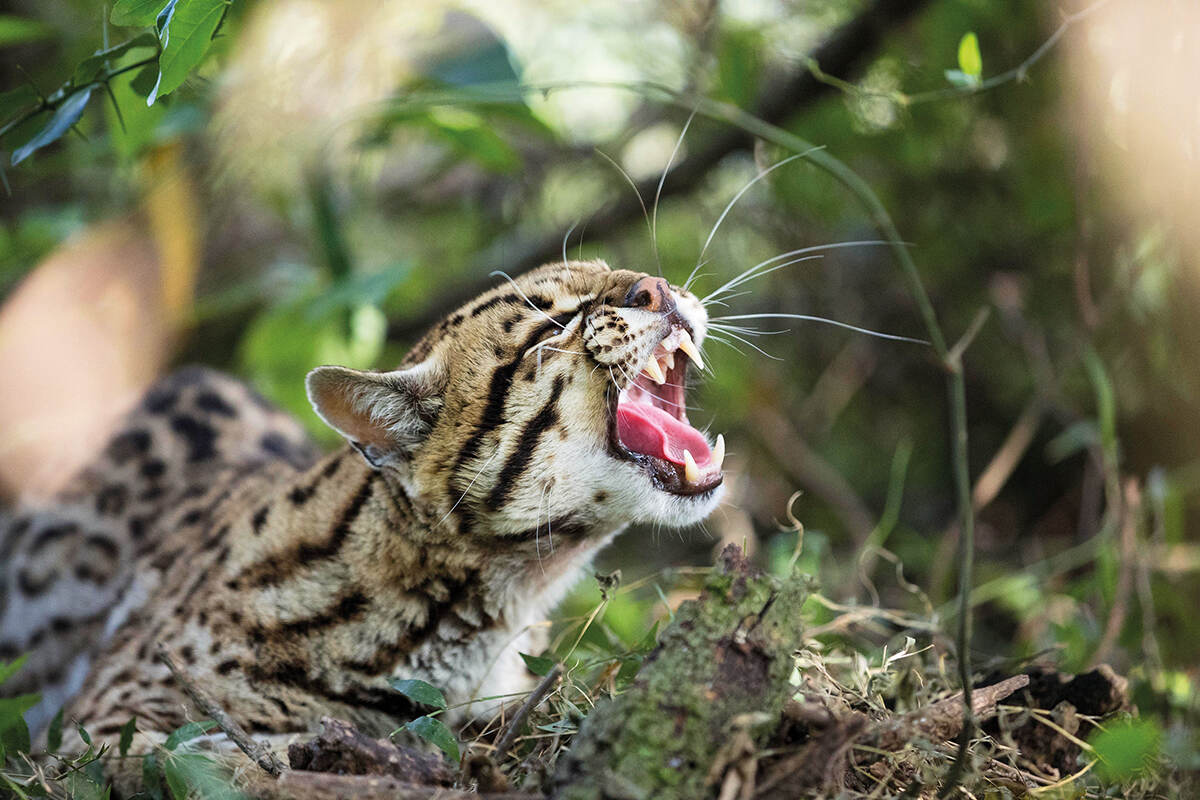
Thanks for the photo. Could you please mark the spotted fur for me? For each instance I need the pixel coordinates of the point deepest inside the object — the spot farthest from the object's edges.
(479, 478)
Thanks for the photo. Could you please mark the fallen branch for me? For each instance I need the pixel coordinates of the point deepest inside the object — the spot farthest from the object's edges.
(533, 701)
(303, 785)
(342, 748)
(259, 753)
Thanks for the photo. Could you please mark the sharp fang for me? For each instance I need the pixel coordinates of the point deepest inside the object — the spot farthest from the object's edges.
(654, 371)
(688, 346)
(691, 473)
(718, 452)
(669, 360)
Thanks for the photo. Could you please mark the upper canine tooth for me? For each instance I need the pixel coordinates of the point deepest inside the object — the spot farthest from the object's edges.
(718, 451)
(691, 473)
(654, 371)
(688, 346)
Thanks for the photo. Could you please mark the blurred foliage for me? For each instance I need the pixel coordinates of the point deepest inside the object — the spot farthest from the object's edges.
(336, 215)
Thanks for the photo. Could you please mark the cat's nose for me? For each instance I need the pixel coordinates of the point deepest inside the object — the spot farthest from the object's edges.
(651, 294)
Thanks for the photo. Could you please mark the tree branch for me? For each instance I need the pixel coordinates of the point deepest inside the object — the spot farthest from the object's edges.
(261, 754)
(845, 52)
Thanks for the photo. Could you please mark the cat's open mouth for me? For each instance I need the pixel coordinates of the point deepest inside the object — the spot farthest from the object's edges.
(649, 422)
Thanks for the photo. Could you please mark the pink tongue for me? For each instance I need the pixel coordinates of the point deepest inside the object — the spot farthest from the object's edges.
(649, 430)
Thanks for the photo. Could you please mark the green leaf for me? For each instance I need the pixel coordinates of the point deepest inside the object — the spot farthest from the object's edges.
(1078, 436)
(198, 775)
(135, 12)
(127, 731)
(81, 786)
(14, 733)
(91, 66)
(54, 732)
(19, 30)
(66, 116)
(152, 777)
(1127, 748)
(176, 781)
(186, 30)
(969, 59)
(420, 691)
(473, 137)
(83, 734)
(11, 668)
(436, 733)
(185, 733)
(537, 664)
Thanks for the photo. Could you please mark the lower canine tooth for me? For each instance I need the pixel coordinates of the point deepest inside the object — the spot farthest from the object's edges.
(691, 473)
(718, 453)
(654, 371)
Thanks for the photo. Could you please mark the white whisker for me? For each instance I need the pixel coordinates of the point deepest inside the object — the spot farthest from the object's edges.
(750, 273)
(746, 330)
(749, 343)
(469, 485)
(567, 236)
(741, 192)
(718, 338)
(846, 325)
(717, 293)
(663, 179)
(528, 302)
(645, 213)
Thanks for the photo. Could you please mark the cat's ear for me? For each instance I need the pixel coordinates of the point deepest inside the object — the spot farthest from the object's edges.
(383, 414)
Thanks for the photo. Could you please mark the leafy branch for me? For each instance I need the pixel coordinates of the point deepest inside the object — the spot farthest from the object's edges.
(968, 79)
(183, 31)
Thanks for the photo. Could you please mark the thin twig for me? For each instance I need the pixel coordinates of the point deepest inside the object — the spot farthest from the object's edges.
(509, 736)
(260, 753)
(954, 357)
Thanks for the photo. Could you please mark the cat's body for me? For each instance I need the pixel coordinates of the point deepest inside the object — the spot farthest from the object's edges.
(516, 439)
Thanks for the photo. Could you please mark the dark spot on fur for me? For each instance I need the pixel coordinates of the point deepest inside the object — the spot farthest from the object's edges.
(111, 499)
(200, 437)
(160, 400)
(31, 586)
(600, 497)
(215, 404)
(152, 494)
(86, 572)
(276, 445)
(52, 534)
(137, 527)
(259, 519)
(192, 517)
(153, 469)
(127, 445)
(105, 545)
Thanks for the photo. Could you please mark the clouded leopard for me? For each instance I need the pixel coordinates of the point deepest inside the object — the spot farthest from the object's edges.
(516, 439)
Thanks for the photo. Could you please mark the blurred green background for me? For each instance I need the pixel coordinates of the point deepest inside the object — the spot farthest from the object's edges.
(302, 201)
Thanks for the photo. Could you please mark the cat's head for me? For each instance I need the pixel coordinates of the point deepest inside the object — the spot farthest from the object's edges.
(551, 406)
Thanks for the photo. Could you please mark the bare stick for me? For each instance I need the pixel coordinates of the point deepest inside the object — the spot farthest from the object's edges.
(533, 701)
(258, 752)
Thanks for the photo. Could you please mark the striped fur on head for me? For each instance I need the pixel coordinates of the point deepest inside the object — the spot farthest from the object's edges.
(501, 417)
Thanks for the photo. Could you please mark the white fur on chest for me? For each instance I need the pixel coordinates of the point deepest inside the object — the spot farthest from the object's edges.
(485, 670)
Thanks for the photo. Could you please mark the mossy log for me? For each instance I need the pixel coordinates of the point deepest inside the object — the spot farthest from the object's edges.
(726, 655)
